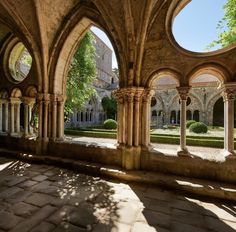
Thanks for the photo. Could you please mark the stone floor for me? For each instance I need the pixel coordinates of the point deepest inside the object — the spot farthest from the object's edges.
(46, 198)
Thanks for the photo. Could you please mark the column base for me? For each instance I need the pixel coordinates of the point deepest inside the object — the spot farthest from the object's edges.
(229, 154)
(183, 152)
(130, 156)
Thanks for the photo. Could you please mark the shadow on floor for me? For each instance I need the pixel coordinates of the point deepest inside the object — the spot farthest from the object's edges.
(47, 198)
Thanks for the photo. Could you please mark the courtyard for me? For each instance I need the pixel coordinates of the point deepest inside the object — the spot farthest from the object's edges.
(44, 198)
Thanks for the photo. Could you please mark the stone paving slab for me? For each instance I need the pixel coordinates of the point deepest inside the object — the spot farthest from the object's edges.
(43, 198)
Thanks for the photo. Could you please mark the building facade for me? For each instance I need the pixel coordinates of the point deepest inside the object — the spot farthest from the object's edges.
(106, 81)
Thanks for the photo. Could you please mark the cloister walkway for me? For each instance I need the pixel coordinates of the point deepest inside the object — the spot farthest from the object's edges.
(45, 198)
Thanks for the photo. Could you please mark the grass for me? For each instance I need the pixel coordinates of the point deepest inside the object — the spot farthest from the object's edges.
(204, 140)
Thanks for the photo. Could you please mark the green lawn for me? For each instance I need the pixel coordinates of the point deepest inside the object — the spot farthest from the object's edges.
(213, 138)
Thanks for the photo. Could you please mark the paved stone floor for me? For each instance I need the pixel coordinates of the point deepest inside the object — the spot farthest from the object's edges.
(46, 198)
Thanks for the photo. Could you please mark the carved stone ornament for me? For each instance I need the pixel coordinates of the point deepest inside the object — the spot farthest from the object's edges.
(183, 92)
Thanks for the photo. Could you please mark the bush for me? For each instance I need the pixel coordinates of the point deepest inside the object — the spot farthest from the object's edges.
(110, 124)
(189, 123)
(198, 127)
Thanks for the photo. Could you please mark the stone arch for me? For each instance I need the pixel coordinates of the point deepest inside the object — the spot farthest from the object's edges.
(19, 32)
(210, 107)
(162, 73)
(200, 103)
(68, 41)
(209, 68)
(31, 91)
(16, 93)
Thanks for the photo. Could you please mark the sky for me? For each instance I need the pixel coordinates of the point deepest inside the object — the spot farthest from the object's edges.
(194, 28)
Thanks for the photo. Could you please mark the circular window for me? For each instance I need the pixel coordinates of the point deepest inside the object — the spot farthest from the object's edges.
(19, 63)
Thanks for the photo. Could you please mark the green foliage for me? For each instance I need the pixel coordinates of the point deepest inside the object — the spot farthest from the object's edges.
(110, 124)
(82, 72)
(110, 107)
(198, 127)
(189, 123)
(227, 26)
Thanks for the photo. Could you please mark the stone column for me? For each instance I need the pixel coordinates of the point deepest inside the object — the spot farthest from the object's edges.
(26, 119)
(17, 117)
(45, 121)
(54, 117)
(183, 93)
(60, 122)
(137, 116)
(31, 105)
(130, 107)
(146, 117)
(12, 128)
(120, 119)
(1, 122)
(129, 125)
(40, 106)
(228, 98)
(6, 116)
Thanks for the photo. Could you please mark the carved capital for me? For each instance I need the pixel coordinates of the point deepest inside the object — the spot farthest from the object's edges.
(183, 92)
(228, 94)
(28, 100)
(147, 95)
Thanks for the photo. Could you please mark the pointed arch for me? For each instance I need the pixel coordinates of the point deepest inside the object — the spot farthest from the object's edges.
(66, 43)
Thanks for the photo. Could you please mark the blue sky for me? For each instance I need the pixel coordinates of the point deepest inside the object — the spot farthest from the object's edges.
(194, 27)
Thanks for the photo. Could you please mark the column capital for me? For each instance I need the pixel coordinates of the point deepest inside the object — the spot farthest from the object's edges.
(43, 97)
(183, 92)
(129, 93)
(228, 90)
(14, 100)
(147, 94)
(28, 100)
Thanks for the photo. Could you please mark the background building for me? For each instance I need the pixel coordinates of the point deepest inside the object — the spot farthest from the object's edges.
(105, 82)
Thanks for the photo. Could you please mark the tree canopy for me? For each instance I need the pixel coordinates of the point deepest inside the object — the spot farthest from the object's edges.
(228, 25)
(82, 72)
(110, 107)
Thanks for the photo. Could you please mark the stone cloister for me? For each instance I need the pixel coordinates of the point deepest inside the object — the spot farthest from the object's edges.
(141, 34)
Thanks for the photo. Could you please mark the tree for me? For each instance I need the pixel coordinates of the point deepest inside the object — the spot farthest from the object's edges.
(228, 24)
(82, 72)
(110, 107)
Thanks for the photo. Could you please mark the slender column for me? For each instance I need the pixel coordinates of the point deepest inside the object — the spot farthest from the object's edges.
(17, 118)
(192, 112)
(183, 93)
(1, 122)
(40, 106)
(60, 122)
(176, 117)
(130, 108)
(146, 118)
(45, 123)
(12, 118)
(31, 105)
(6, 116)
(137, 124)
(54, 118)
(26, 119)
(228, 97)
(120, 125)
